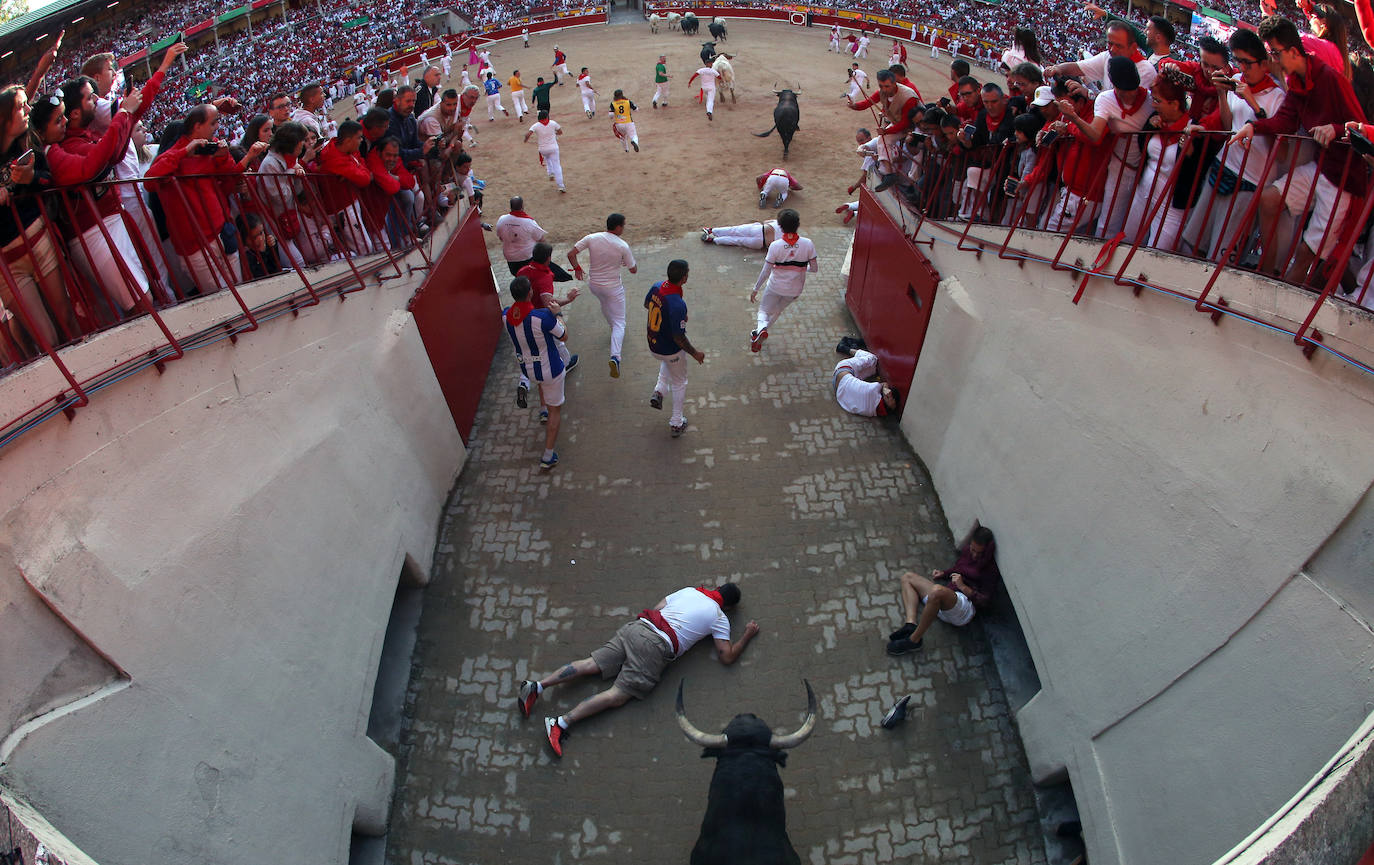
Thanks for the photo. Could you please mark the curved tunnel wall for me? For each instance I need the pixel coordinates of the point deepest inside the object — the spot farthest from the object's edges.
(1159, 485)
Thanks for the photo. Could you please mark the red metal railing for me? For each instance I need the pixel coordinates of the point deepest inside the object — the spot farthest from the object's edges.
(91, 258)
(1166, 197)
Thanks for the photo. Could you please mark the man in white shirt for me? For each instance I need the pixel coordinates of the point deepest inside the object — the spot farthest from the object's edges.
(607, 253)
(708, 86)
(311, 105)
(641, 650)
(1120, 43)
(855, 393)
(546, 134)
(584, 85)
(518, 233)
(785, 266)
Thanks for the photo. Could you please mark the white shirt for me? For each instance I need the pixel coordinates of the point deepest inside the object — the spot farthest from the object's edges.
(1260, 145)
(693, 615)
(708, 77)
(518, 235)
(546, 134)
(1107, 105)
(786, 266)
(585, 85)
(1095, 71)
(852, 392)
(608, 253)
(308, 119)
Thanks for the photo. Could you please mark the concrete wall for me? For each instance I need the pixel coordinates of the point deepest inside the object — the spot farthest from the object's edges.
(216, 550)
(1157, 485)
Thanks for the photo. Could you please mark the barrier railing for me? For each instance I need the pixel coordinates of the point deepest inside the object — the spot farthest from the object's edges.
(1192, 194)
(90, 258)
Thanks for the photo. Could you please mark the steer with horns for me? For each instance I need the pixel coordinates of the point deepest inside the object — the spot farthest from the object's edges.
(745, 819)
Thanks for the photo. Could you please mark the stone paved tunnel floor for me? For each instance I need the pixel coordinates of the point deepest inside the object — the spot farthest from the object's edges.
(813, 512)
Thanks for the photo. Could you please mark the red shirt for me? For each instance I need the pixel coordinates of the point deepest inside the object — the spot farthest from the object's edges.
(1323, 97)
(541, 282)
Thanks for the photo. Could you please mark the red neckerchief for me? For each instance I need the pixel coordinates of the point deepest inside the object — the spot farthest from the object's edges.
(1268, 83)
(1136, 55)
(712, 594)
(522, 214)
(289, 159)
(545, 121)
(790, 238)
(1139, 101)
(667, 287)
(1176, 126)
(518, 312)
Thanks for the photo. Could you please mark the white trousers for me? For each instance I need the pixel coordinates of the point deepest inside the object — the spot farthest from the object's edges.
(749, 235)
(494, 105)
(96, 260)
(589, 102)
(771, 307)
(672, 379)
(661, 93)
(626, 132)
(613, 308)
(517, 98)
(553, 166)
(710, 99)
(1119, 177)
(776, 185)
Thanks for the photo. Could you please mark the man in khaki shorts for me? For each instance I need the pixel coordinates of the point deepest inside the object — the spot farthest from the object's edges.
(639, 652)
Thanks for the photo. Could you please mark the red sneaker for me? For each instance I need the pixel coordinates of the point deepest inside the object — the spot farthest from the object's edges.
(556, 735)
(529, 693)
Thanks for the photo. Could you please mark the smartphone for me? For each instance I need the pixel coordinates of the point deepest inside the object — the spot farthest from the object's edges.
(27, 156)
(1362, 145)
(970, 130)
(944, 100)
(1226, 82)
(1049, 138)
(1011, 186)
(208, 149)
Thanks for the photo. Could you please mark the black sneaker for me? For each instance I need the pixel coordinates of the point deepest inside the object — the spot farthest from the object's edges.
(904, 631)
(635, 145)
(522, 395)
(571, 364)
(903, 646)
(543, 415)
(656, 401)
(895, 715)
(678, 429)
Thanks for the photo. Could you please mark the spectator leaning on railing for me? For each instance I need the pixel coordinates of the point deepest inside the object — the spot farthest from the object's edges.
(1321, 101)
(27, 239)
(196, 204)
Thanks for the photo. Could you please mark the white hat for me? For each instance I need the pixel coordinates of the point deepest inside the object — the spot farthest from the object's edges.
(1043, 96)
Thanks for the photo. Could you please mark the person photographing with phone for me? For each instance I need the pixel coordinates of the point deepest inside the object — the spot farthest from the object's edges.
(27, 240)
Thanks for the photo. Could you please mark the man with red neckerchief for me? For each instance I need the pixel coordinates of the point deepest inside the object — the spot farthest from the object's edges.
(667, 333)
(640, 651)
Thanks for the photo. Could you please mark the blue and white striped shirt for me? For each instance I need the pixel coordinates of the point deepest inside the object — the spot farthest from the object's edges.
(535, 336)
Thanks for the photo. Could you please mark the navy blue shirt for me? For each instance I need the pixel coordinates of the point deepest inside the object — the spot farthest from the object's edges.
(667, 319)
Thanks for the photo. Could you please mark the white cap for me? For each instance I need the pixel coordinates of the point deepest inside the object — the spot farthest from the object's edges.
(1043, 96)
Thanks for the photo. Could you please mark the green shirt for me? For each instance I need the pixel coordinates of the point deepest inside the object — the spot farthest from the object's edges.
(541, 95)
(660, 73)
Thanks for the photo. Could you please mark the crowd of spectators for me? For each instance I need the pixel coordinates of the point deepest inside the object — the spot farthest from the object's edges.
(237, 171)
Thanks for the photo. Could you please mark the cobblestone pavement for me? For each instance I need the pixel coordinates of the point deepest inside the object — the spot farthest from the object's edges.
(813, 512)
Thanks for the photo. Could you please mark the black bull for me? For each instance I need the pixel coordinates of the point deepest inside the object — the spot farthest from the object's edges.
(689, 24)
(745, 819)
(786, 119)
(718, 31)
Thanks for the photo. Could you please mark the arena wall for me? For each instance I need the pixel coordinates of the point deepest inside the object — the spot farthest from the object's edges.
(1159, 484)
(196, 574)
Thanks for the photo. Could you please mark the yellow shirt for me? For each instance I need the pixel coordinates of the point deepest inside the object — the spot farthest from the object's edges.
(514, 83)
(621, 109)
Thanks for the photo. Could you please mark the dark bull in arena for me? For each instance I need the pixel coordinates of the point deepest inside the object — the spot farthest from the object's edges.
(745, 820)
(786, 118)
(718, 31)
(690, 24)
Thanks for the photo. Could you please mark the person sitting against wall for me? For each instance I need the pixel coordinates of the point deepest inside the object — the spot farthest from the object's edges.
(952, 595)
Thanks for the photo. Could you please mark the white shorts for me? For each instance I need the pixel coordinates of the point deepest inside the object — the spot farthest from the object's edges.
(552, 392)
(962, 611)
(1327, 200)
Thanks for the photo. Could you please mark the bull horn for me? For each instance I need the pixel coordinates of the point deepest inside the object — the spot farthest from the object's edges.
(792, 740)
(695, 736)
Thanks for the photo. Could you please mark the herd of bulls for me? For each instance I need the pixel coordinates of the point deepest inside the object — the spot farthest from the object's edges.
(786, 114)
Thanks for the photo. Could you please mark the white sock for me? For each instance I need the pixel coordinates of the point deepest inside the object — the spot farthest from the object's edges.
(561, 722)
(548, 455)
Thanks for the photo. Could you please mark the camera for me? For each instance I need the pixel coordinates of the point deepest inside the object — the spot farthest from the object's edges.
(209, 148)
(1362, 145)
